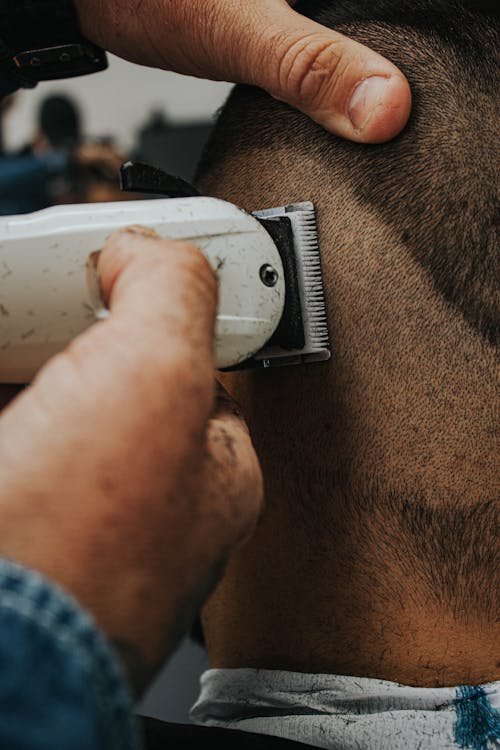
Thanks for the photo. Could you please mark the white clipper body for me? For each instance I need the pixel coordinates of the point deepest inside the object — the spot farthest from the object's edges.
(48, 295)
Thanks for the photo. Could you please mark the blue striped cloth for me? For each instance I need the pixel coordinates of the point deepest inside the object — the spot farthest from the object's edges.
(350, 713)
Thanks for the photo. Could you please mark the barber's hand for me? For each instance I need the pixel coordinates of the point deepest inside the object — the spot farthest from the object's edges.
(343, 85)
(123, 476)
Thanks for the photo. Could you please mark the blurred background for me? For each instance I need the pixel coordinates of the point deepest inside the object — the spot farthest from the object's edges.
(63, 142)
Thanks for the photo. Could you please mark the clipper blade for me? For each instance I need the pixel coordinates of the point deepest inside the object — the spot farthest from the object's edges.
(302, 335)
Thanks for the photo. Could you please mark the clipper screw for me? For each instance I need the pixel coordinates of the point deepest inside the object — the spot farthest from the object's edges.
(268, 275)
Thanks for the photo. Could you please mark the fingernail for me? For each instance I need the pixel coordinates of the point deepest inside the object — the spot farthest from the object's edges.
(144, 231)
(365, 98)
(94, 287)
(93, 260)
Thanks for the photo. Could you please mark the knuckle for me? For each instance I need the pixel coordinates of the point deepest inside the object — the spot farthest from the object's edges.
(309, 69)
(182, 382)
(78, 352)
(192, 256)
(123, 245)
(112, 246)
(193, 262)
(178, 363)
(120, 236)
(140, 246)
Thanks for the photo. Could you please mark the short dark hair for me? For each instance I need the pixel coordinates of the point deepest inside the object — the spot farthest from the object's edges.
(432, 196)
(436, 184)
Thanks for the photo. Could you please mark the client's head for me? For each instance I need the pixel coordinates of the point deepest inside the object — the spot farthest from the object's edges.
(376, 552)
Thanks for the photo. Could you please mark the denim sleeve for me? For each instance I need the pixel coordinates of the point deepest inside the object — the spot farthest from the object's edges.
(61, 685)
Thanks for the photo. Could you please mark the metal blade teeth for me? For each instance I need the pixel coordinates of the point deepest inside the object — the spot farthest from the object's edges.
(313, 277)
(317, 348)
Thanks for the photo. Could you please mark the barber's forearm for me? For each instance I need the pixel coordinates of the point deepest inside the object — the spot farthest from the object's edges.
(77, 683)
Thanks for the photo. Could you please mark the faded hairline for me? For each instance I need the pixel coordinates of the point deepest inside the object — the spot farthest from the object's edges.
(435, 189)
(435, 185)
(452, 550)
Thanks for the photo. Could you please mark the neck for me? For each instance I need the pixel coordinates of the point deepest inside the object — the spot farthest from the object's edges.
(286, 603)
(279, 611)
(375, 556)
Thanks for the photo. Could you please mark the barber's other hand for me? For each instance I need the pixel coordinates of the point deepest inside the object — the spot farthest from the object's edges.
(122, 476)
(343, 85)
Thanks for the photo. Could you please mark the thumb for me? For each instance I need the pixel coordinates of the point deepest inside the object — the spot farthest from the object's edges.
(344, 86)
(350, 90)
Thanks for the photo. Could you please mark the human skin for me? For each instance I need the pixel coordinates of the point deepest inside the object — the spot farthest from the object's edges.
(377, 555)
(122, 477)
(350, 90)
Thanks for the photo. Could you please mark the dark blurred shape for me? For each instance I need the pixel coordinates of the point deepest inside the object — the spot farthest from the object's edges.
(25, 174)
(136, 176)
(160, 735)
(59, 165)
(6, 105)
(92, 170)
(60, 122)
(24, 179)
(174, 148)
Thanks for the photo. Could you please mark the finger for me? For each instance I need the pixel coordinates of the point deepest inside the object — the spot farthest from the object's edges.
(162, 297)
(226, 407)
(232, 473)
(146, 279)
(344, 86)
(134, 393)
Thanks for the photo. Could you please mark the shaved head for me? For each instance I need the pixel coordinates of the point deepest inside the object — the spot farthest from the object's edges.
(380, 466)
